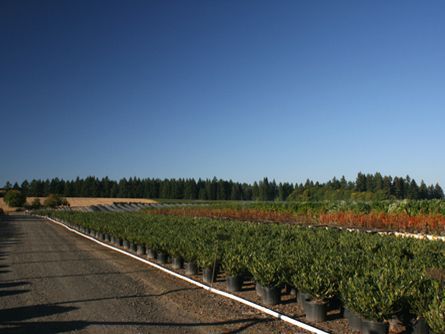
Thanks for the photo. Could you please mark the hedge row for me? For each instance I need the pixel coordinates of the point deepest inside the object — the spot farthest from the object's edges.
(375, 276)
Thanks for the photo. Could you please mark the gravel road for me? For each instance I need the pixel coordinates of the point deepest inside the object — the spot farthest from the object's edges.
(53, 281)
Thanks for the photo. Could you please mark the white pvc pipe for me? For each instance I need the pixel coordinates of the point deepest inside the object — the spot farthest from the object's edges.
(203, 286)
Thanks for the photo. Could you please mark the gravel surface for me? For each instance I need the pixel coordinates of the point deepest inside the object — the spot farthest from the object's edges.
(54, 281)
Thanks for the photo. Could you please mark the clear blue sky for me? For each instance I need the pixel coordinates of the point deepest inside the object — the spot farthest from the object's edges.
(233, 89)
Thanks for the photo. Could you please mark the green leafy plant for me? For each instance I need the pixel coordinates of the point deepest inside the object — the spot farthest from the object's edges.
(435, 316)
(53, 201)
(376, 294)
(14, 198)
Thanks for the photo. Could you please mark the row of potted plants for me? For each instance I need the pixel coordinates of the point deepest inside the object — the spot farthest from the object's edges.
(375, 277)
(400, 221)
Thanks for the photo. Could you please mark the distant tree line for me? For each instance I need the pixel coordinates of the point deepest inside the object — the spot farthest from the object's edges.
(365, 187)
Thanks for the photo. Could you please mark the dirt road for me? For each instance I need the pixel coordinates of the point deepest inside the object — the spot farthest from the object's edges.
(53, 281)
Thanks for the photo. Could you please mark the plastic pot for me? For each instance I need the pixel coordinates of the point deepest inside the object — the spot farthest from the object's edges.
(354, 320)
(162, 257)
(133, 247)
(140, 250)
(259, 290)
(315, 311)
(151, 253)
(126, 244)
(191, 268)
(235, 283)
(177, 262)
(271, 295)
(420, 326)
(374, 327)
(209, 274)
(302, 297)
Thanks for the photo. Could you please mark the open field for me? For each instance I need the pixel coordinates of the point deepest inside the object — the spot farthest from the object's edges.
(85, 201)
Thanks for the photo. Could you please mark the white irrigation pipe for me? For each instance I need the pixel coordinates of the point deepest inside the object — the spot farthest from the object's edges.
(205, 287)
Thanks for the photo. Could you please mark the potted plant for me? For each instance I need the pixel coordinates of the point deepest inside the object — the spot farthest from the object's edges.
(189, 254)
(233, 265)
(322, 285)
(350, 304)
(435, 316)
(377, 293)
(175, 251)
(266, 271)
(419, 303)
(208, 260)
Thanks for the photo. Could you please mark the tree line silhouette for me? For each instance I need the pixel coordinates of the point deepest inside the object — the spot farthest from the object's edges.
(365, 187)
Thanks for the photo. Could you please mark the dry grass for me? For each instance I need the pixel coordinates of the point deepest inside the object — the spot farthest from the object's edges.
(85, 201)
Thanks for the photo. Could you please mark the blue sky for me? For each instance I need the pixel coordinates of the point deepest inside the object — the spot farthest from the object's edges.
(233, 89)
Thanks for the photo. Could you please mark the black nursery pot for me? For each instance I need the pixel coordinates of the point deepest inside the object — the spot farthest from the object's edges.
(374, 327)
(302, 297)
(420, 327)
(235, 283)
(177, 262)
(151, 253)
(259, 289)
(271, 295)
(140, 250)
(191, 268)
(354, 320)
(133, 247)
(209, 275)
(315, 311)
(126, 244)
(162, 258)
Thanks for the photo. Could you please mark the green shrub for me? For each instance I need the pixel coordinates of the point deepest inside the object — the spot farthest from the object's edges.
(15, 199)
(377, 293)
(435, 316)
(35, 204)
(53, 201)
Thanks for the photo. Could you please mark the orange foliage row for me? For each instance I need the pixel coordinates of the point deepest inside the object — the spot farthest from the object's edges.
(402, 222)
(223, 213)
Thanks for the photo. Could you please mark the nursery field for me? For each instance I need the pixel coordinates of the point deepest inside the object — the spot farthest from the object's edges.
(54, 281)
(372, 280)
(425, 217)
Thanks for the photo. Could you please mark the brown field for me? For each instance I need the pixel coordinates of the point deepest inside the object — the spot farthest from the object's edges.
(85, 201)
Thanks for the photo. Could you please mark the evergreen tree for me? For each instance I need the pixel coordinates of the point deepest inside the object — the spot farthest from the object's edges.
(438, 192)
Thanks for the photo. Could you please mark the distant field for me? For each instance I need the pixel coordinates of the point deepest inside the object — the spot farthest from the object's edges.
(86, 201)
